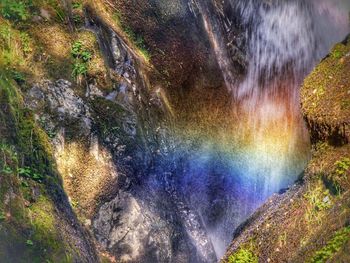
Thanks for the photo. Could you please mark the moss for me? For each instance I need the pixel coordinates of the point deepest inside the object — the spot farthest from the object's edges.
(333, 246)
(44, 226)
(325, 92)
(24, 144)
(243, 255)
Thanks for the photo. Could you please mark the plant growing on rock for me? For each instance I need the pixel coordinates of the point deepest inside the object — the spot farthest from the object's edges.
(82, 57)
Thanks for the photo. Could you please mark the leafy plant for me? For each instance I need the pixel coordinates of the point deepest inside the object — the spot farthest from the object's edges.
(18, 77)
(337, 54)
(25, 41)
(342, 166)
(7, 170)
(334, 245)
(77, 18)
(29, 242)
(25, 184)
(79, 69)
(341, 169)
(15, 10)
(27, 172)
(77, 5)
(2, 216)
(82, 57)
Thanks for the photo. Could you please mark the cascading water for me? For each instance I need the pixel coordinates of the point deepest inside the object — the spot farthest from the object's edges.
(266, 147)
(243, 146)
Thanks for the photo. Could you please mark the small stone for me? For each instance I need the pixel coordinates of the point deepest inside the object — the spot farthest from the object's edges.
(326, 200)
(87, 222)
(45, 14)
(37, 19)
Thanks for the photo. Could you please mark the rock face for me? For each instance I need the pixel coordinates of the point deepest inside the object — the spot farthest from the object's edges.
(112, 150)
(143, 212)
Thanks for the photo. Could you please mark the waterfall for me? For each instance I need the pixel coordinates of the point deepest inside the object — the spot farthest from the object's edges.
(284, 41)
(189, 190)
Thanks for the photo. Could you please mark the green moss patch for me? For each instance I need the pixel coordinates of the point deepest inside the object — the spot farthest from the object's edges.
(28, 222)
(326, 93)
(243, 256)
(333, 246)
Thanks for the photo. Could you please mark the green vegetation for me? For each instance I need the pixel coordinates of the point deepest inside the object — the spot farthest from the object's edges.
(333, 246)
(77, 5)
(342, 166)
(243, 256)
(26, 43)
(339, 176)
(2, 216)
(137, 39)
(319, 199)
(15, 10)
(24, 150)
(28, 172)
(338, 51)
(82, 57)
(11, 53)
(29, 242)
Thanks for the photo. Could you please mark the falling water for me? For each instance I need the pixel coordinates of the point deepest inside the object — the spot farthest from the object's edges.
(285, 39)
